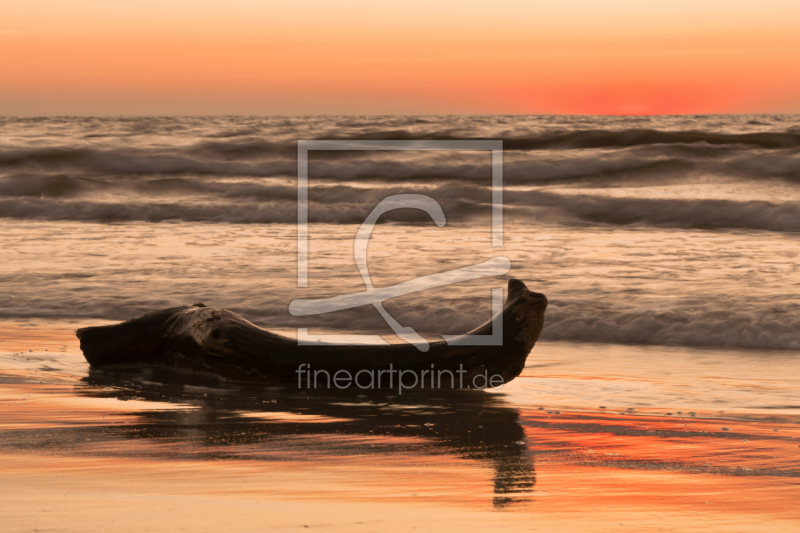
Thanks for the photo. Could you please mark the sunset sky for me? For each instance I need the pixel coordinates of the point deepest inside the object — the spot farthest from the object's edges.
(166, 57)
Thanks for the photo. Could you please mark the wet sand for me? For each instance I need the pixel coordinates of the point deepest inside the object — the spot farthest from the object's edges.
(148, 449)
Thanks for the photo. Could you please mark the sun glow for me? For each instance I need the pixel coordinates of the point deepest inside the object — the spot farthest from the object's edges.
(311, 57)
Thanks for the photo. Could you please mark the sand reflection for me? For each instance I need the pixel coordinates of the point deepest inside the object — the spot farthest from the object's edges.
(244, 421)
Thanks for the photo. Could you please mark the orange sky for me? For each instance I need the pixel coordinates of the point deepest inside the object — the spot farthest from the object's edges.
(167, 57)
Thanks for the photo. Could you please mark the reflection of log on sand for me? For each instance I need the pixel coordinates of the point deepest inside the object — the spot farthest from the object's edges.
(236, 420)
(220, 341)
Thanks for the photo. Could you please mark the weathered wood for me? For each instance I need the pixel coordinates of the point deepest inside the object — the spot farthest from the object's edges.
(219, 341)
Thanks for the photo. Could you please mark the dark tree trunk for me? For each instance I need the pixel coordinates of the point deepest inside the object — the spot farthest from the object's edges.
(220, 341)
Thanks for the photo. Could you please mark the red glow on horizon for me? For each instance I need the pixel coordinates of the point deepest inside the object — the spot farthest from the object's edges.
(246, 59)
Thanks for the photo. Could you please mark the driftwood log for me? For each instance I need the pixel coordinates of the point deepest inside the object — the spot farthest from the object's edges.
(219, 341)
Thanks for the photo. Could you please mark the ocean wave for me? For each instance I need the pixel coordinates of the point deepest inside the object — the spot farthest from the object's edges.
(257, 157)
(340, 204)
(735, 326)
(246, 148)
(200, 211)
(680, 213)
(566, 140)
(139, 161)
(57, 185)
(717, 325)
(105, 163)
(104, 211)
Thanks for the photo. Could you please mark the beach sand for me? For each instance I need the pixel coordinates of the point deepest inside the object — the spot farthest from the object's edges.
(144, 449)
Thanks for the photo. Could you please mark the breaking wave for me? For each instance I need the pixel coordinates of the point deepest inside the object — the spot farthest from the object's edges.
(572, 140)
(767, 327)
(675, 213)
(61, 197)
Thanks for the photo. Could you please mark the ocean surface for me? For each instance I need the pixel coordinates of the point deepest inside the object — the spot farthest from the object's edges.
(674, 231)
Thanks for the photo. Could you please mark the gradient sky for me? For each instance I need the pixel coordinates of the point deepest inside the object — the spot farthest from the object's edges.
(165, 57)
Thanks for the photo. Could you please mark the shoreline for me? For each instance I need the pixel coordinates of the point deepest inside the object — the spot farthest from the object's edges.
(84, 450)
